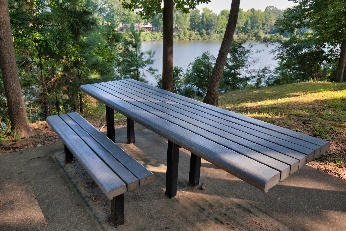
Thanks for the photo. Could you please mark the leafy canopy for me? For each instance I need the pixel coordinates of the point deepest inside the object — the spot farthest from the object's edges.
(325, 18)
(147, 9)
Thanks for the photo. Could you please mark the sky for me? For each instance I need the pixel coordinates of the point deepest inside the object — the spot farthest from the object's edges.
(218, 5)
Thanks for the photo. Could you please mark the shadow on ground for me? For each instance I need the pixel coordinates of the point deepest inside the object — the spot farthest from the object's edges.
(307, 200)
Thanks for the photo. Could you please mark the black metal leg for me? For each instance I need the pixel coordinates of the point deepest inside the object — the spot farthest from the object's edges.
(117, 210)
(130, 131)
(172, 169)
(68, 155)
(110, 123)
(195, 168)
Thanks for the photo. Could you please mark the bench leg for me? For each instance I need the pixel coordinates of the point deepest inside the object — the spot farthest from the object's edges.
(110, 123)
(195, 168)
(172, 169)
(130, 131)
(117, 210)
(68, 155)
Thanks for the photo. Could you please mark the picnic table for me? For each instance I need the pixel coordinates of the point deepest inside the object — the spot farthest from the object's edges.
(259, 153)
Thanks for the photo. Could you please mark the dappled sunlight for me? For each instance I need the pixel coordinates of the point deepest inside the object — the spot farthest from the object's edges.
(157, 169)
(313, 108)
(284, 92)
(298, 98)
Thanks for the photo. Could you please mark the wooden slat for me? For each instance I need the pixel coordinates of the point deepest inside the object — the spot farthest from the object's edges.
(213, 136)
(131, 181)
(251, 171)
(143, 174)
(263, 124)
(312, 150)
(188, 104)
(106, 179)
(245, 139)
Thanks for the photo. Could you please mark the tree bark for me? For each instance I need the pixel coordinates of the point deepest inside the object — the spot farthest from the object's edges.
(167, 57)
(212, 96)
(342, 63)
(13, 92)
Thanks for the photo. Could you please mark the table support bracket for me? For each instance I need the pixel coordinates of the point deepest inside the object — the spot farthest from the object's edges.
(110, 123)
(130, 131)
(172, 169)
(195, 169)
(117, 210)
(68, 155)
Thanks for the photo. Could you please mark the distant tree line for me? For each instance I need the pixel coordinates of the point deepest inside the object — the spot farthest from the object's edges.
(206, 25)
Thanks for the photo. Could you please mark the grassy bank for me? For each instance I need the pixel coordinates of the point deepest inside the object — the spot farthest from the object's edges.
(313, 108)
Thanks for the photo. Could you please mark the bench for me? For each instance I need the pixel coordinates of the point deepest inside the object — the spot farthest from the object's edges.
(113, 170)
(260, 153)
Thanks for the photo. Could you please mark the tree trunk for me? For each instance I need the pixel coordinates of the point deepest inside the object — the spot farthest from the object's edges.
(342, 62)
(13, 92)
(167, 58)
(212, 96)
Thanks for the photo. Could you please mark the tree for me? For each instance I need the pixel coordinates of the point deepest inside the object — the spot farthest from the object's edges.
(208, 21)
(213, 87)
(197, 76)
(13, 92)
(326, 19)
(301, 59)
(148, 9)
(195, 20)
(222, 19)
(131, 62)
(235, 65)
(61, 45)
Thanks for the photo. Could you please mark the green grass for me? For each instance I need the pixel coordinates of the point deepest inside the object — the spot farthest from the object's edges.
(315, 108)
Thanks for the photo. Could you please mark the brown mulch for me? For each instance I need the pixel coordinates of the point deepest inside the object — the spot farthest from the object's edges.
(333, 162)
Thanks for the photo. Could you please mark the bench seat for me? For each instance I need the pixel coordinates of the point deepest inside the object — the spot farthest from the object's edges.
(113, 170)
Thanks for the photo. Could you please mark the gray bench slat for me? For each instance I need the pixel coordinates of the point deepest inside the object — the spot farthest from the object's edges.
(257, 143)
(273, 163)
(282, 139)
(131, 181)
(253, 172)
(263, 124)
(311, 150)
(144, 175)
(106, 179)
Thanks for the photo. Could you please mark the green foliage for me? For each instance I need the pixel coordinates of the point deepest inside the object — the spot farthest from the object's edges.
(178, 79)
(194, 81)
(316, 31)
(302, 60)
(325, 18)
(198, 75)
(236, 62)
(4, 119)
(131, 62)
(193, 24)
(63, 44)
(148, 9)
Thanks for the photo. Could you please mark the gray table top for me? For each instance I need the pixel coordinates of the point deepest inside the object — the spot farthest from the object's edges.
(257, 152)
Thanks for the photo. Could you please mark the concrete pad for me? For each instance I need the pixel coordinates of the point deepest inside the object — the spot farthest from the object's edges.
(307, 200)
(36, 194)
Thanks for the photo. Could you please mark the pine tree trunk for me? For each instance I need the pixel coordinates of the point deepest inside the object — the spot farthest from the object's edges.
(212, 96)
(13, 92)
(342, 63)
(167, 57)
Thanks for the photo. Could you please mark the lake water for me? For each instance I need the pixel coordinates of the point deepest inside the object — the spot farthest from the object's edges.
(185, 52)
